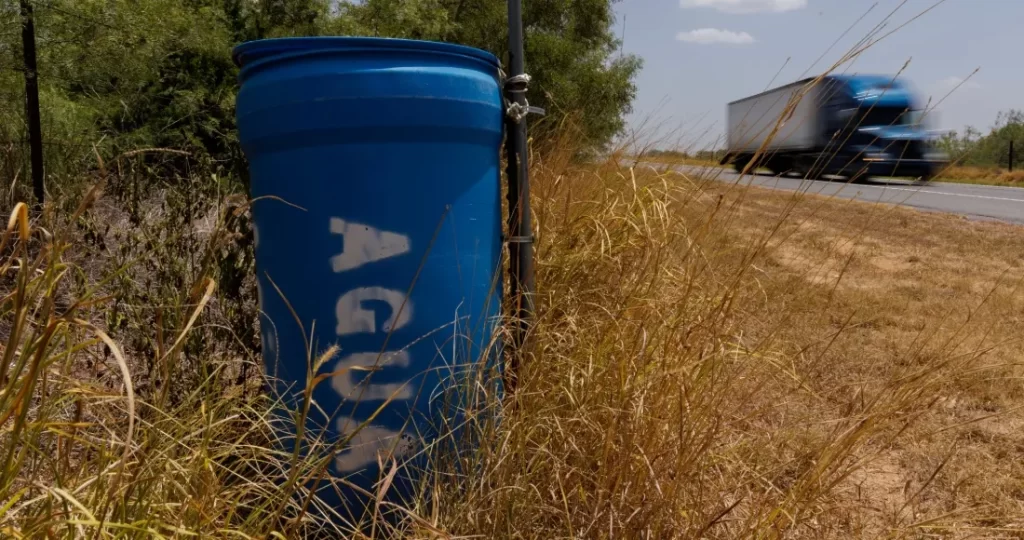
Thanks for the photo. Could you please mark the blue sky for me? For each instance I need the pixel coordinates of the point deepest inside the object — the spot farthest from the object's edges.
(701, 54)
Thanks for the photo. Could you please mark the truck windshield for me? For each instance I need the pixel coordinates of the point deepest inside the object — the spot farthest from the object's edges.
(885, 116)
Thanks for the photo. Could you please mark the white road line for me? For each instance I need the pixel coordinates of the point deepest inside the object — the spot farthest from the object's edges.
(965, 195)
(825, 183)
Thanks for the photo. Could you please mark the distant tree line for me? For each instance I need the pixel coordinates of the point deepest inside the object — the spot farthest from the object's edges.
(130, 74)
(972, 147)
(701, 155)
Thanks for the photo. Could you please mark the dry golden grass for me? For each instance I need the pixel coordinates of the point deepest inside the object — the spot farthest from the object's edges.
(887, 294)
(727, 362)
(709, 361)
(983, 175)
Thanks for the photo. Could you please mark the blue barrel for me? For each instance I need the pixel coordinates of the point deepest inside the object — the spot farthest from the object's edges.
(374, 170)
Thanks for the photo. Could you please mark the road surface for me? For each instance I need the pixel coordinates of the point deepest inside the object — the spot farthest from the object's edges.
(974, 201)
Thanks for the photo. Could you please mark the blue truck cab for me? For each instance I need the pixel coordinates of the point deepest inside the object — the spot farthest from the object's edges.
(845, 125)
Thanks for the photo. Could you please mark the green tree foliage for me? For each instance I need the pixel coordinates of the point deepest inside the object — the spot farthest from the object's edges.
(156, 73)
(126, 74)
(992, 149)
(571, 49)
(130, 74)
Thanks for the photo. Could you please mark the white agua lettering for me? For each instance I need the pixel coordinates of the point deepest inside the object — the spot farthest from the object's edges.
(368, 444)
(364, 244)
(363, 447)
(343, 384)
(353, 318)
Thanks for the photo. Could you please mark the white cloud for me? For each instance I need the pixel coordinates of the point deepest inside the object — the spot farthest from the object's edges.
(950, 83)
(746, 6)
(707, 36)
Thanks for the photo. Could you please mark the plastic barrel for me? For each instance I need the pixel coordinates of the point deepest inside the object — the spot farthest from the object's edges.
(374, 171)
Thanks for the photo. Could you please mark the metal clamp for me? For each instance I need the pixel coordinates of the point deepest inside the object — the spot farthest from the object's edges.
(517, 112)
(518, 84)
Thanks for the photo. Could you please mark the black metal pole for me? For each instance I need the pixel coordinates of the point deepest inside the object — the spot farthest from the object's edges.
(520, 245)
(1011, 156)
(35, 131)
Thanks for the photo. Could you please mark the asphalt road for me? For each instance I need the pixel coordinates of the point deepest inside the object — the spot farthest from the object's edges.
(973, 201)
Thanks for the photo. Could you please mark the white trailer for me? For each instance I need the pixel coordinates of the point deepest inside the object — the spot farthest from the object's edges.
(846, 125)
(752, 121)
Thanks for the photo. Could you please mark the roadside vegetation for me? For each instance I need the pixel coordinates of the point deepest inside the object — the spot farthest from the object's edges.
(709, 361)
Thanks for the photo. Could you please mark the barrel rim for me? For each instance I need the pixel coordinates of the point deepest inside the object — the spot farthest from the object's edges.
(253, 51)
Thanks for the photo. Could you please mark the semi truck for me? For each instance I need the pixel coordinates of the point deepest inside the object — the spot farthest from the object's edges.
(853, 126)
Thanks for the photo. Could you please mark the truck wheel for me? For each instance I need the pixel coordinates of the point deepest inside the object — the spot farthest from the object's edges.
(858, 177)
(810, 170)
(780, 167)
